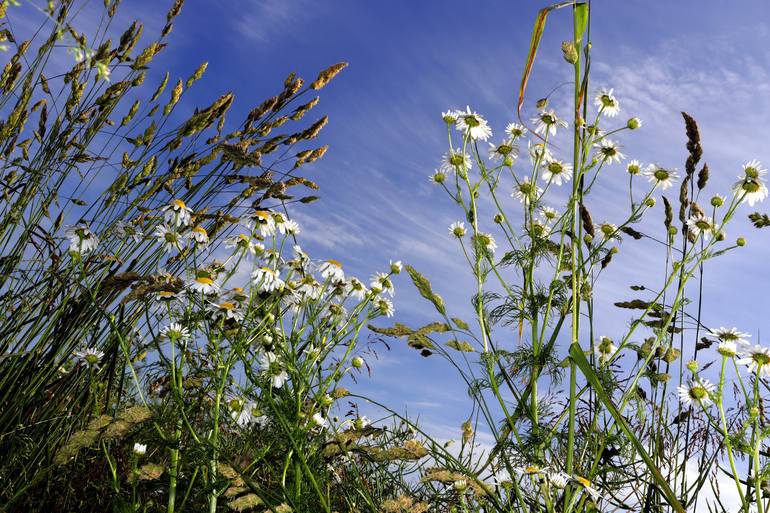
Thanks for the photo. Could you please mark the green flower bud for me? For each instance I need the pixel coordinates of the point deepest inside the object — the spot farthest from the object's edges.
(357, 362)
(717, 201)
(741, 241)
(634, 123)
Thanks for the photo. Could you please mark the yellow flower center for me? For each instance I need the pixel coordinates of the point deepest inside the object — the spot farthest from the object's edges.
(204, 280)
(334, 262)
(179, 204)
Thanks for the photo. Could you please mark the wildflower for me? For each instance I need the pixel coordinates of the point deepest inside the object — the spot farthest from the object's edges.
(607, 103)
(540, 229)
(506, 151)
(332, 270)
(549, 214)
(472, 124)
(696, 392)
(460, 485)
(309, 287)
(455, 160)
(175, 332)
(605, 350)
(396, 267)
(200, 236)
(587, 486)
(634, 124)
(608, 230)
(319, 420)
(90, 356)
(634, 167)
(660, 177)
(224, 310)
(177, 213)
(245, 243)
(127, 230)
(270, 365)
(438, 177)
(750, 187)
(538, 153)
(361, 422)
(245, 414)
(267, 280)
(357, 362)
(82, 239)
(166, 296)
(356, 288)
(385, 306)
(757, 358)
(557, 479)
(699, 223)
(300, 255)
(264, 223)
(727, 348)
(486, 241)
(285, 226)
(382, 282)
(526, 191)
(170, 238)
(717, 200)
(548, 122)
(140, 449)
(556, 171)
(449, 117)
(203, 282)
(515, 130)
(457, 229)
(731, 335)
(609, 151)
(529, 470)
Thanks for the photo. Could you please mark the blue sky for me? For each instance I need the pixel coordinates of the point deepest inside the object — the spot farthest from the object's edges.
(411, 60)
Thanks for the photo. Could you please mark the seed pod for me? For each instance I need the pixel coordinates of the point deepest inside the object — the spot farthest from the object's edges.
(326, 75)
(693, 144)
(703, 177)
(684, 198)
(588, 225)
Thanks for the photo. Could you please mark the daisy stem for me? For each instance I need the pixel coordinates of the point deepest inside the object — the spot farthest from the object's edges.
(726, 439)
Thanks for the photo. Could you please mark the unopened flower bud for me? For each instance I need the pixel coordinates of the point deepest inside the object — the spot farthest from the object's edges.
(741, 241)
(650, 202)
(499, 218)
(692, 366)
(357, 362)
(634, 123)
(717, 201)
(541, 103)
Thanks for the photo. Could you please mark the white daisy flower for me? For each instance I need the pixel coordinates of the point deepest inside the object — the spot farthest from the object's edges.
(526, 191)
(309, 287)
(607, 104)
(356, 288)
(504, 150)
(696, 392)
(381, 282)
(540, 229)
(751, 187)
(140, 449)
(177, 213)
(515, 130)
(90, 356)
(82, 239)
(246, 414)
(757, 359)
(200, 236)
(588, 487)
(272, 366)
(557, 479)
(701, 224)
(169, 238)
(727, 348)
(731, 335)
(224, 310)
(299, 255)
(319, 420)
(457, 229)
(634, 167)
(450, 116)
(486, 241)
(264, 223)
(547, 122)
(203, 283)
(332, 270)
(245, 243)
(438, 177)
(396, 267)
(549, 214)
(660, 177)
(267, 280)
(167, 296)
(609, 231)
(538, 153)
(385, 306)
(472, 124)
(455, 160)
(289, 227)
(556, 171)
(609, 151)
(176, 332)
